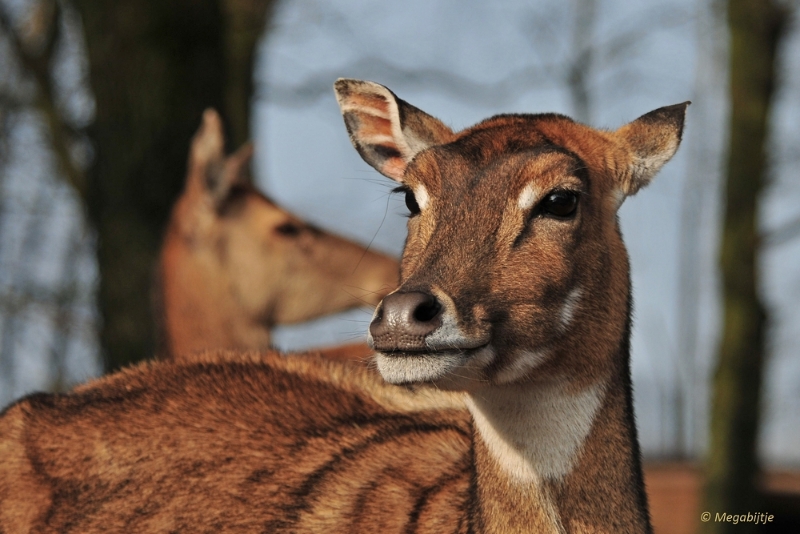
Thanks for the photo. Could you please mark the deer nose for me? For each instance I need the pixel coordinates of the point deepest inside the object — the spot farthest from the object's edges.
(403, 321)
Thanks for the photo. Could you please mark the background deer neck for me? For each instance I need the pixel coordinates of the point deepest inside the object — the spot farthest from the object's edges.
(197, 311)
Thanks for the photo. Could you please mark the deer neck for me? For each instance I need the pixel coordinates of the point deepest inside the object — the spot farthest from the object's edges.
(197, 311)
(555, 456)
(194, 325)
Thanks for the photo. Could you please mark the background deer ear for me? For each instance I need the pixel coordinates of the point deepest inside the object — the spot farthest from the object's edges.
(387, 131)
(653, 139)
(214, 173)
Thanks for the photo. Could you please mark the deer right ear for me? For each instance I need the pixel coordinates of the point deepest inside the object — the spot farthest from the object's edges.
(213, 173)
(387, 131)
(208, 144)
(652, 139)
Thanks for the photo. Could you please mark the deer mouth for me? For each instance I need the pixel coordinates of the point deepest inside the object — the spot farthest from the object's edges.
(419, 337)
(431, 350)
(454, 366)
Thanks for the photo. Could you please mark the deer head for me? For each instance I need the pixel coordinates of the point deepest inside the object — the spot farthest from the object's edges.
(514, 259)
(234, 263)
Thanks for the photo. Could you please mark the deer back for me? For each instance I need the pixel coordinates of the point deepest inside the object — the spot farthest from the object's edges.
(229, 442)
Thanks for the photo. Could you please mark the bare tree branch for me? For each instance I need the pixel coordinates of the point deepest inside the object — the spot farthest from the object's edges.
(666, 17)
(549, 72)
(784, 234)
(579, 70)
(63, 312)
(35, 52)
(320, 83)
(14, 302)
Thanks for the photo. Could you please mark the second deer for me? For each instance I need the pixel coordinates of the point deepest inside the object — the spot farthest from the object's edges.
(233, 263)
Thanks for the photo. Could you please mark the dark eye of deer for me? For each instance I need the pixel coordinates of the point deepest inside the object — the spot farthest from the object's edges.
(288, 229)
(411, 203)
(560, 204)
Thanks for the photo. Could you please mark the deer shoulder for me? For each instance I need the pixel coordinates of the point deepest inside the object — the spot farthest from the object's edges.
(230, 441)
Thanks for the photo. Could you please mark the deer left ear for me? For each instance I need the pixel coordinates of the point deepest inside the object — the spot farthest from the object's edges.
(653, 139)
(387, 131)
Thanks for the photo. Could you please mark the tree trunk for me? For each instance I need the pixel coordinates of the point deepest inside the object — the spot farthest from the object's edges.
(732, 466)
(245, 23)
(155, 66)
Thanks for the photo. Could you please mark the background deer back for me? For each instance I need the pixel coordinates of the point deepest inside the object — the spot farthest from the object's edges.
(233, 263)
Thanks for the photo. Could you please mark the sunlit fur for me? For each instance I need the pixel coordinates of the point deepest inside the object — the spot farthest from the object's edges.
(524, 425)
(233, 263)
(230, 443)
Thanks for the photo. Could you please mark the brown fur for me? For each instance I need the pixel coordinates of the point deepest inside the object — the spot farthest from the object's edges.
(233, 263)
(196, 447)
(265, 443)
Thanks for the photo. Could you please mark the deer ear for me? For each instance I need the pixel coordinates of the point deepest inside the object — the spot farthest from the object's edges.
(208, 144)
(208, 165)
(387, 131)
(652, 139)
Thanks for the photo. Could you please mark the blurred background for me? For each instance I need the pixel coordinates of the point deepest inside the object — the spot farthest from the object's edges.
(99, 99)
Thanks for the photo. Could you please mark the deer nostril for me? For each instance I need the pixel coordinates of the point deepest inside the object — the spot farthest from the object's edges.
(403, 321)
(427, 311)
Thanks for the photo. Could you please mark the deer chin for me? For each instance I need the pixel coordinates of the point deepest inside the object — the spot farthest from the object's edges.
(462, 369)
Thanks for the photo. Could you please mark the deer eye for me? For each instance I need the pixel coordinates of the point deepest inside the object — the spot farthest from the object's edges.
(411, 203)
(288, 229)
(560, 204)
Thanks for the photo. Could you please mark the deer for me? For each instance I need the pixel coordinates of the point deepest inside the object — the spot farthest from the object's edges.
(233, 263)
(502, 402)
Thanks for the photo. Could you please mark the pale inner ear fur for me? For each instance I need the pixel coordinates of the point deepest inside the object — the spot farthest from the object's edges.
(652, 139)
(386, 131)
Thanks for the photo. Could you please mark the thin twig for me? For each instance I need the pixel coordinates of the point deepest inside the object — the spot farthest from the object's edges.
(37, 64)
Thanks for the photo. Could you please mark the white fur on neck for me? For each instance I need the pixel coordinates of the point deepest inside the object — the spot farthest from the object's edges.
(535, 430)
